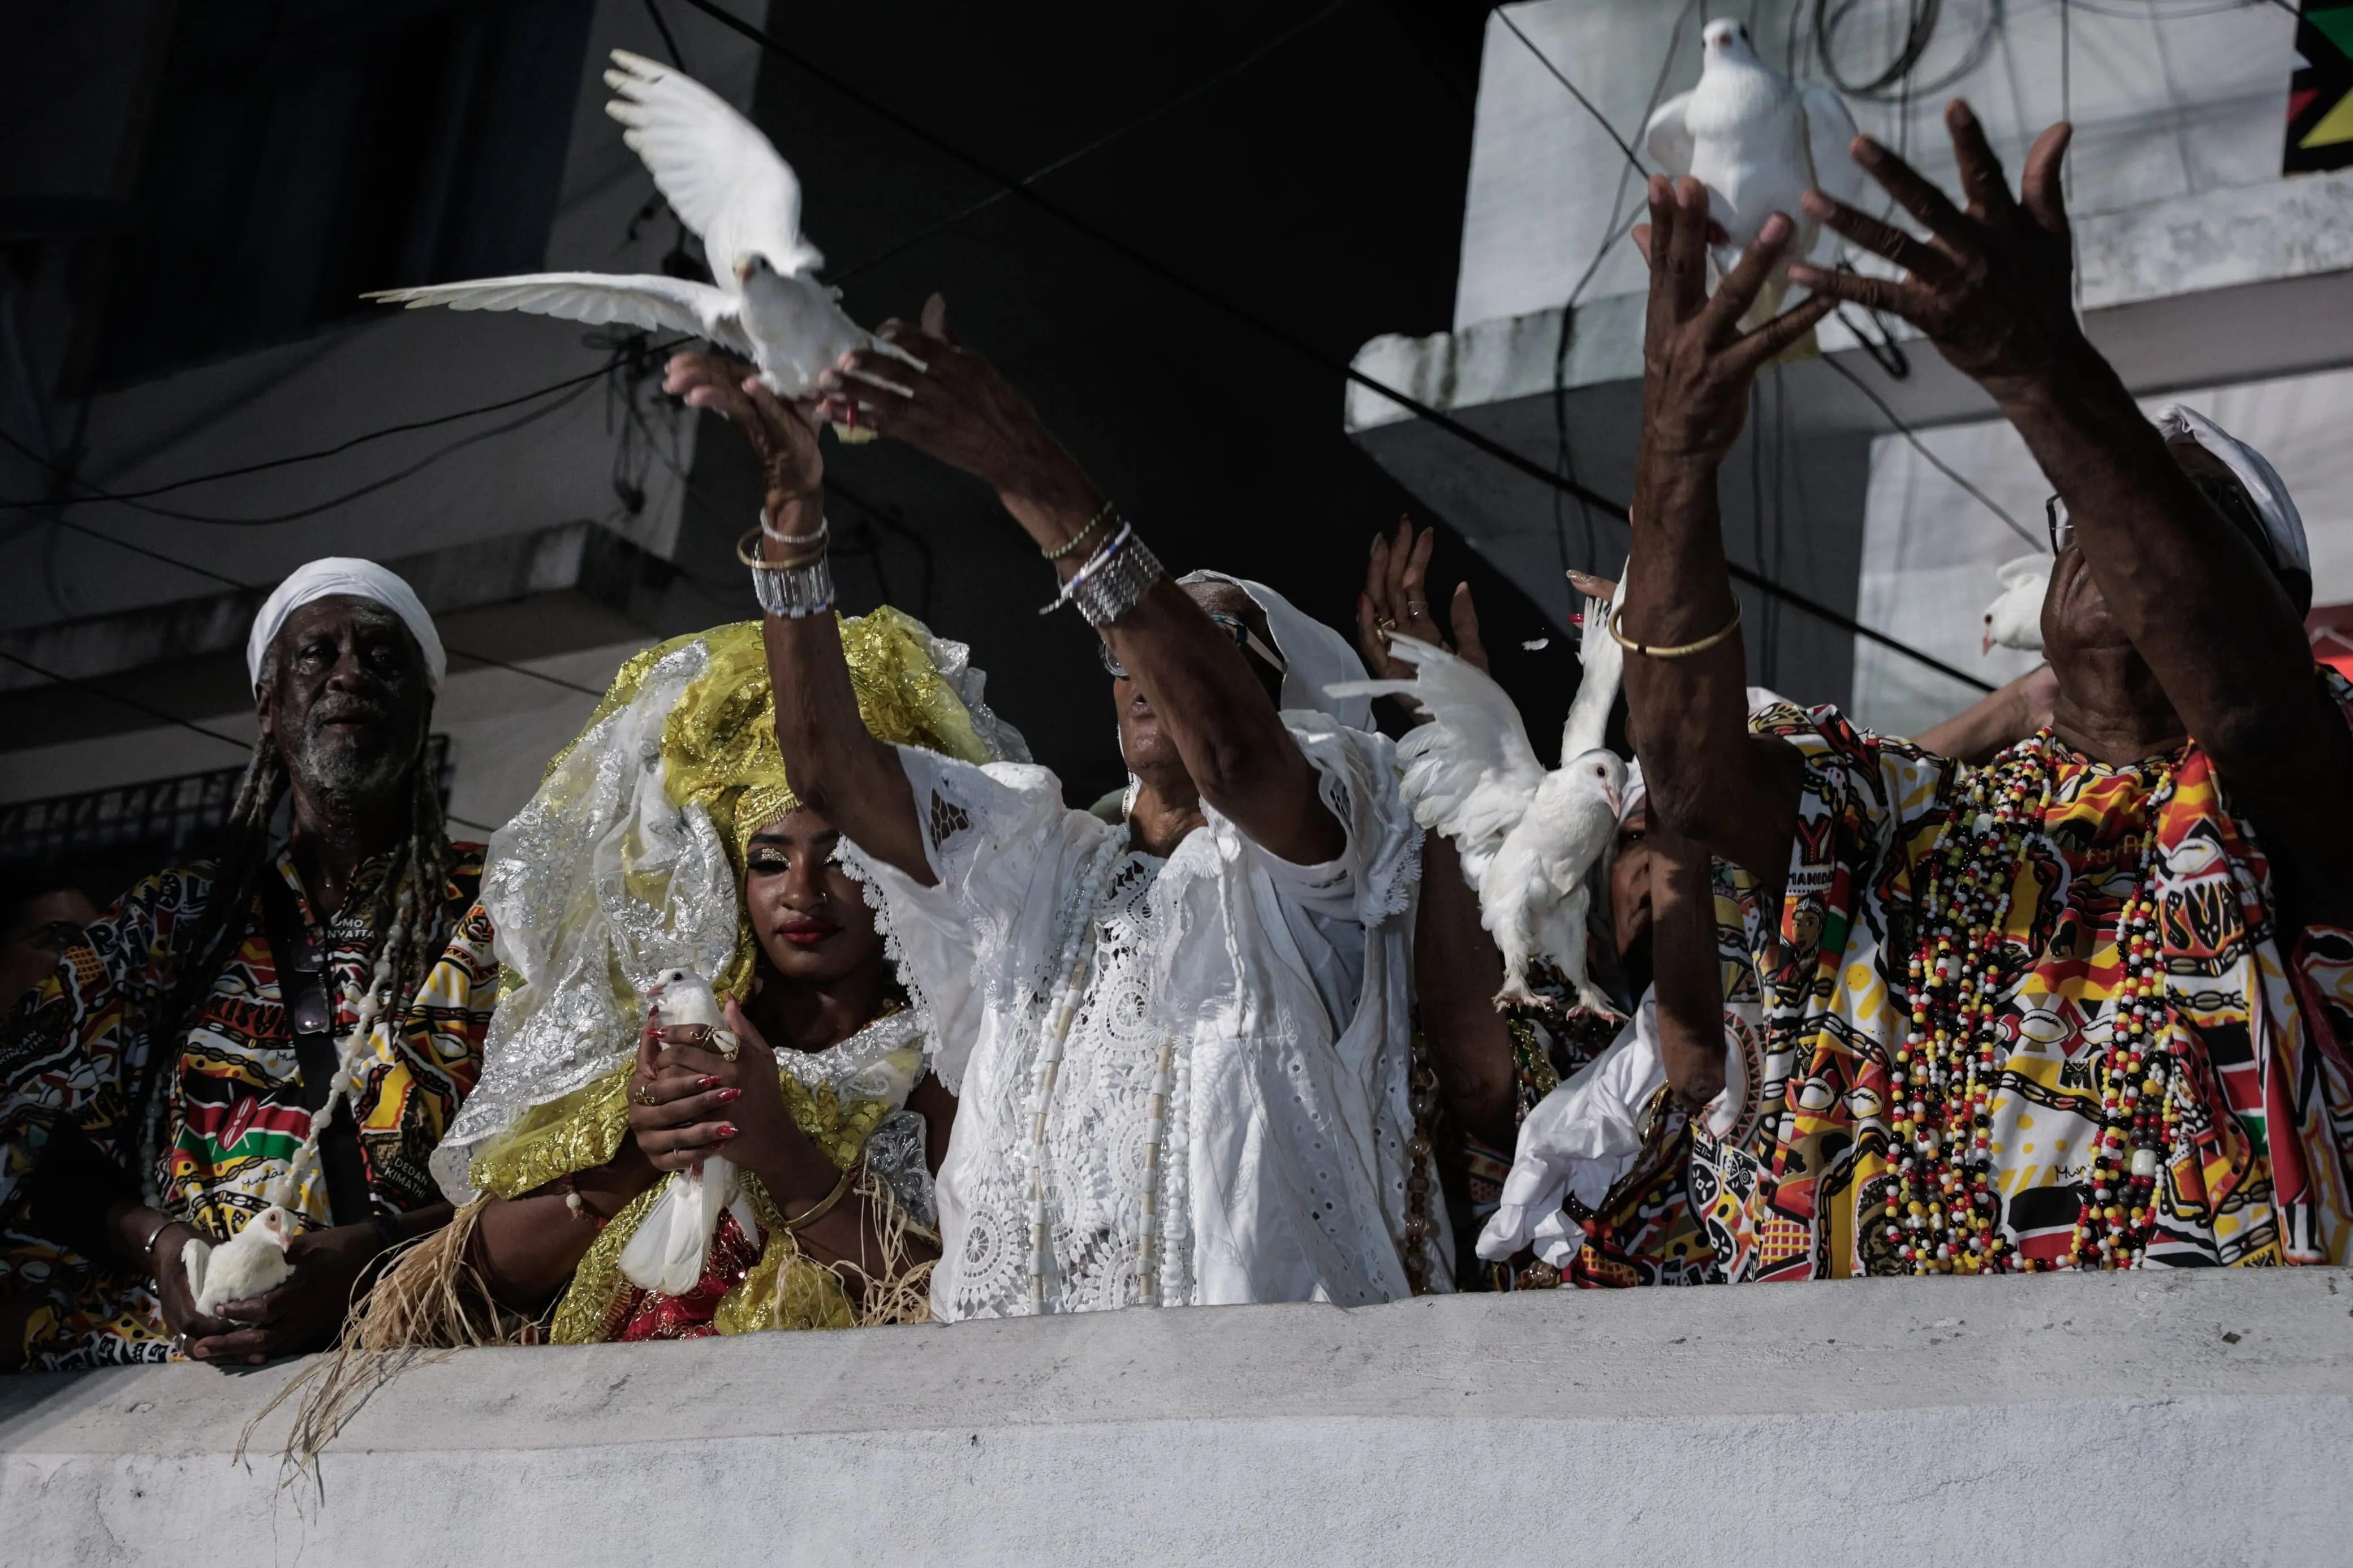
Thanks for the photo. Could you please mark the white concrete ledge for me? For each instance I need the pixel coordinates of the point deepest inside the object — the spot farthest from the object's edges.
(2186, 1418)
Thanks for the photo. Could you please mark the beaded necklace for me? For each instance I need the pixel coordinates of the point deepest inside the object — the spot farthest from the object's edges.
(1941, 1217)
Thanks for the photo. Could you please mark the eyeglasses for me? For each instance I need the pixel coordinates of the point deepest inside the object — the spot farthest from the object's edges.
(2063, 528)
(1243, 637)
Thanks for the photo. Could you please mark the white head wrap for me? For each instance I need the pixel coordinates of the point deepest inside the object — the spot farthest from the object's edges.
(2283, 524)
(329, 576)
(1314, 654)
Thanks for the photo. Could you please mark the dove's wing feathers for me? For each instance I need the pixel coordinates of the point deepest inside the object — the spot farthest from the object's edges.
(1830, 135)
(640, 299)
(723, 179)
(1666, 139)
(1604, 664)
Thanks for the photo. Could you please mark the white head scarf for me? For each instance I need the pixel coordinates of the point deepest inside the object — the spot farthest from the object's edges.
(329, 576)
(2283, 524)
(1314, 654)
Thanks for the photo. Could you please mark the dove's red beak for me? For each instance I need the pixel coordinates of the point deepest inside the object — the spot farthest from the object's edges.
(1985, 645)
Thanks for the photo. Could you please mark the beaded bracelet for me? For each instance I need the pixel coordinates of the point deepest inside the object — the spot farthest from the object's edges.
(1118, 584)
(1078, 538)
(1093, 564)
(795, 540)
(794, 590)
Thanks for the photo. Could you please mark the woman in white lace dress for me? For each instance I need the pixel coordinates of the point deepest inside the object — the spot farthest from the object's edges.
(1179, 1042)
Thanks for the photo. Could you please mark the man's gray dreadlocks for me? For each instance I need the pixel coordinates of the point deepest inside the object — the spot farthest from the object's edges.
(409, 901)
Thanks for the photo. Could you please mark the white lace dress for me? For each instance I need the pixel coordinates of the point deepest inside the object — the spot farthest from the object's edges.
(1279, 992)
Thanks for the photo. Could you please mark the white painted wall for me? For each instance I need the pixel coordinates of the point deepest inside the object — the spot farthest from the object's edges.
(2156, 1419)
(2168, 99)
(1930, 550)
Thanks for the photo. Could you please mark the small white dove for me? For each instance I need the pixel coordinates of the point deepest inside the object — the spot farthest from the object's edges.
(727, 182)
(1757, 142)
(1529, 840)
(668, 1251)
(245, 1266)
(2015, 618)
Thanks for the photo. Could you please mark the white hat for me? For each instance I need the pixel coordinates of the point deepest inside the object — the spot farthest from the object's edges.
(344, 575)
(1314, 655)
(2283, 524)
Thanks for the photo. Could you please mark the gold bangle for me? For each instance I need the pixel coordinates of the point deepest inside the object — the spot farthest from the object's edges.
(1679, 651)
(824, 1206)
(762, 563)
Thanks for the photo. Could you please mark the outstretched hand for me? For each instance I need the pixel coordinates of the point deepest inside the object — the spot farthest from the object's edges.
(1395, 602)
(783, 436)
(941, 398)
(1990, 286)
(1698, 364)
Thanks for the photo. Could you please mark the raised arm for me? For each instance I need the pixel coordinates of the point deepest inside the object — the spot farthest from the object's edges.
(1991, 289)
(840, 770)
(952, 405)
(1710, 780)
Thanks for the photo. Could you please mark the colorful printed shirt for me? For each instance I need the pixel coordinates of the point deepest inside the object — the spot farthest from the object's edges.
(234, 1114)
(2258, 1173)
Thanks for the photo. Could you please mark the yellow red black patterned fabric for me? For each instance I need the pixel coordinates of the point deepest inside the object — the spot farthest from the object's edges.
(234, 1107)
(2259, 1171)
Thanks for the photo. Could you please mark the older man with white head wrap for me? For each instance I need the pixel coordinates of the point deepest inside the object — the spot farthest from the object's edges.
(289, 1025)
(1178, 1040)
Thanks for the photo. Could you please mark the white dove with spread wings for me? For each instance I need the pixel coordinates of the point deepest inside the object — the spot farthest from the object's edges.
(1757, 140)
(1530, 841)
(727, 182)
(671, 1242)
(2015, 617)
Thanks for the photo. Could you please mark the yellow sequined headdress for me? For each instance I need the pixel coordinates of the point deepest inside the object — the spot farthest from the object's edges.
(719, 742)
(629, 859)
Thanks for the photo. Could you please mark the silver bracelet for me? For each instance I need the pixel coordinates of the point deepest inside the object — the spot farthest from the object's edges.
(148, 1245)
(795, 540)
(793, 591)
(1117, 582)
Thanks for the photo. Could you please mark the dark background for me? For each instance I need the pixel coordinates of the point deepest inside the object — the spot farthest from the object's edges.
(1322, 188)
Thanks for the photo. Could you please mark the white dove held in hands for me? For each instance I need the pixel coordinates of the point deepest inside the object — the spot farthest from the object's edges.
(671, 1242)
(1757, 142)
(2015, 618)
(727, 182)
(1531, 842)
(246, 1265)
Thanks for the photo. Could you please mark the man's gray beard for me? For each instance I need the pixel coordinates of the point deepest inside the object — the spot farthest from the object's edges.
(346, 783)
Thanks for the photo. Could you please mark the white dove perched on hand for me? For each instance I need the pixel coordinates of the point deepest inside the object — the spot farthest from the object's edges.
(1529, 840)
(245, 1266)
(668, 1251)
(726, 181)
(2015, 618)
(1757, 140)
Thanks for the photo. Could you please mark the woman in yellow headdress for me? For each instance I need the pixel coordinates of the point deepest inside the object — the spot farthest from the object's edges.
(666, 838)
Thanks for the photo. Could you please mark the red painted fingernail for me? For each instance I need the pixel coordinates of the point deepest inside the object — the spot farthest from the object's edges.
(726, 1130)
(706, 1082)
(726, 1095)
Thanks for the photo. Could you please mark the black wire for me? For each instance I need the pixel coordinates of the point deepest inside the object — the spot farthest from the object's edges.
(1507, 455)
(1108, 137)
(1601, 119)
(342, 447)
(1934, 462)
(92, 492)
(670, 45)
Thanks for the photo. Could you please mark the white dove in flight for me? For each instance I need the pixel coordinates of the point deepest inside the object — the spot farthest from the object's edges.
(727, 182)
(1757, 142)
(245, 1266)
(668, 1251)
(2015, 618)
(1529, 840)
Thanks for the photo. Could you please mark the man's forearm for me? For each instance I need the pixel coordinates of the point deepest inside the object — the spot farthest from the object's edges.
(1689, 716)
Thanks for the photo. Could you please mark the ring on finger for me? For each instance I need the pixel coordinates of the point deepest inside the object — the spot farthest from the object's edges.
(1385, 626)
(1415, 609)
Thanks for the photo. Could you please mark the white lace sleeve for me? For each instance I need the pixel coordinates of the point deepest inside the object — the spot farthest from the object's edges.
(1374, 876)
(1000, 843)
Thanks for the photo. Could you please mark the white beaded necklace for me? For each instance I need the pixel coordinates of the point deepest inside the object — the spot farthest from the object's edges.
(1074, 961)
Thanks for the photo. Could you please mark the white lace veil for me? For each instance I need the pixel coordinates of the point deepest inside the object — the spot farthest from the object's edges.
(600, 883)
